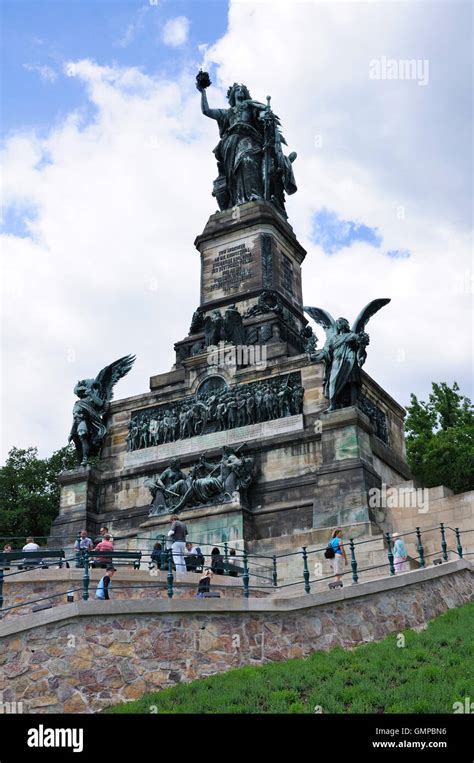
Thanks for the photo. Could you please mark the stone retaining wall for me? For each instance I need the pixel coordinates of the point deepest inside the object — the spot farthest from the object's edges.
(85, 656)
(52, 585)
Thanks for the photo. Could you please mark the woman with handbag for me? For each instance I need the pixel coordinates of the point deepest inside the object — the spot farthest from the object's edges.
(337, 553)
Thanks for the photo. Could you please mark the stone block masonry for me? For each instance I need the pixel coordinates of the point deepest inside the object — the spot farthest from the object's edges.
(51, 586)
(84, 657)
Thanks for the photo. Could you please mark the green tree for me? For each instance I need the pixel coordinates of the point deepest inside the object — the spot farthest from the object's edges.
(29, 491)
(440, 438)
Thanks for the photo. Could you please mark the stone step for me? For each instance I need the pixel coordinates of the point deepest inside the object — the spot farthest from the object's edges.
(315, 537)
(290, 568)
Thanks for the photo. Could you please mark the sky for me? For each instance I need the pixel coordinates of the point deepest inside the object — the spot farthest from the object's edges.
(107, 171)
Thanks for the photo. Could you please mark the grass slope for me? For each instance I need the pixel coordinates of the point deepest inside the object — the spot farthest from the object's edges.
(433, 670)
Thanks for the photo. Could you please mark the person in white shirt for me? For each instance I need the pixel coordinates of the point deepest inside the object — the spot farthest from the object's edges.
(84, 542)
(31, 546)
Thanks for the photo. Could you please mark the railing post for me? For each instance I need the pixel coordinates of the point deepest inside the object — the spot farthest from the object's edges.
(78, 551)
(390, 554)
(307, 587)
(246, 576)
(444, 545)
(355, 577)
(85, 577)
(421, 552)
(226, 558)
(162, 552)
(458, 541)
(274, 571)
(1, 587)
(169, 577)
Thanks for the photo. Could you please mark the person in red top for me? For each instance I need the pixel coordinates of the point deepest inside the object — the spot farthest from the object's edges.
(104, 545)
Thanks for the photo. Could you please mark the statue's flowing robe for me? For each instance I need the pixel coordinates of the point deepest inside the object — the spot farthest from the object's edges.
(96, 427)
(239, 153)
(343, 348)
(207, 488)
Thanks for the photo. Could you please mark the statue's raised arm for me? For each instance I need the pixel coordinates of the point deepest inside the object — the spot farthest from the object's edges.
(202, 82)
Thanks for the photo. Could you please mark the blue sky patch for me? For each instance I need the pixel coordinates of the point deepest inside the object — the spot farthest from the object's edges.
(332, 234)
(15, 220)
(39, 38)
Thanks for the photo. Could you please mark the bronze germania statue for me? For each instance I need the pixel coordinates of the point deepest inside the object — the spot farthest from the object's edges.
(344, 353)
(89, 412)
(250, 159)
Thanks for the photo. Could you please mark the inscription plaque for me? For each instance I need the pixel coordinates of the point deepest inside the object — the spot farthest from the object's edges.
(231, 267)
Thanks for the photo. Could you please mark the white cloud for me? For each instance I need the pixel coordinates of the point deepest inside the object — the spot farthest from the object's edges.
(134, 27)
(101, 274)
(46, 73)
(110, 268)
(391, 155)
(175, 31)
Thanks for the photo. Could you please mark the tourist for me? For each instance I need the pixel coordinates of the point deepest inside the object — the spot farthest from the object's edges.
(191, 557)
(217, 561)
(340, 557)
(204, 583)
(194, 558)
(169, 550)
(105, 545)
(83, 543)
(400, 554)
(157, 556)
(7, 549)
(30, 546)
(102, 533)
(105, 584)
(178, 534)
(233, 563)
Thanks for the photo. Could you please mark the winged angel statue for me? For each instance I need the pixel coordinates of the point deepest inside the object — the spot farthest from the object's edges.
(89, 412)
(344, 352)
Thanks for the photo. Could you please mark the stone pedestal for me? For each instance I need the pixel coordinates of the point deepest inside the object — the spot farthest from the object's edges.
(78, 505)
(246, 253)
(246, 250)
(209, 525)
(347, 471)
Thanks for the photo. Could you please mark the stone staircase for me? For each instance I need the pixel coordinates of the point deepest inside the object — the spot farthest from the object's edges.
(370, 551)
(417, 507)
(370, 554)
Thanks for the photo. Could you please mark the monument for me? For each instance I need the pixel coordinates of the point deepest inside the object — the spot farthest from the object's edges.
(254, 433)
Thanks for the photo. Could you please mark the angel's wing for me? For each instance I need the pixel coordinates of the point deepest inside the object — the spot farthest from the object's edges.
(366, 314)
(109, 376)
(322, 317)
